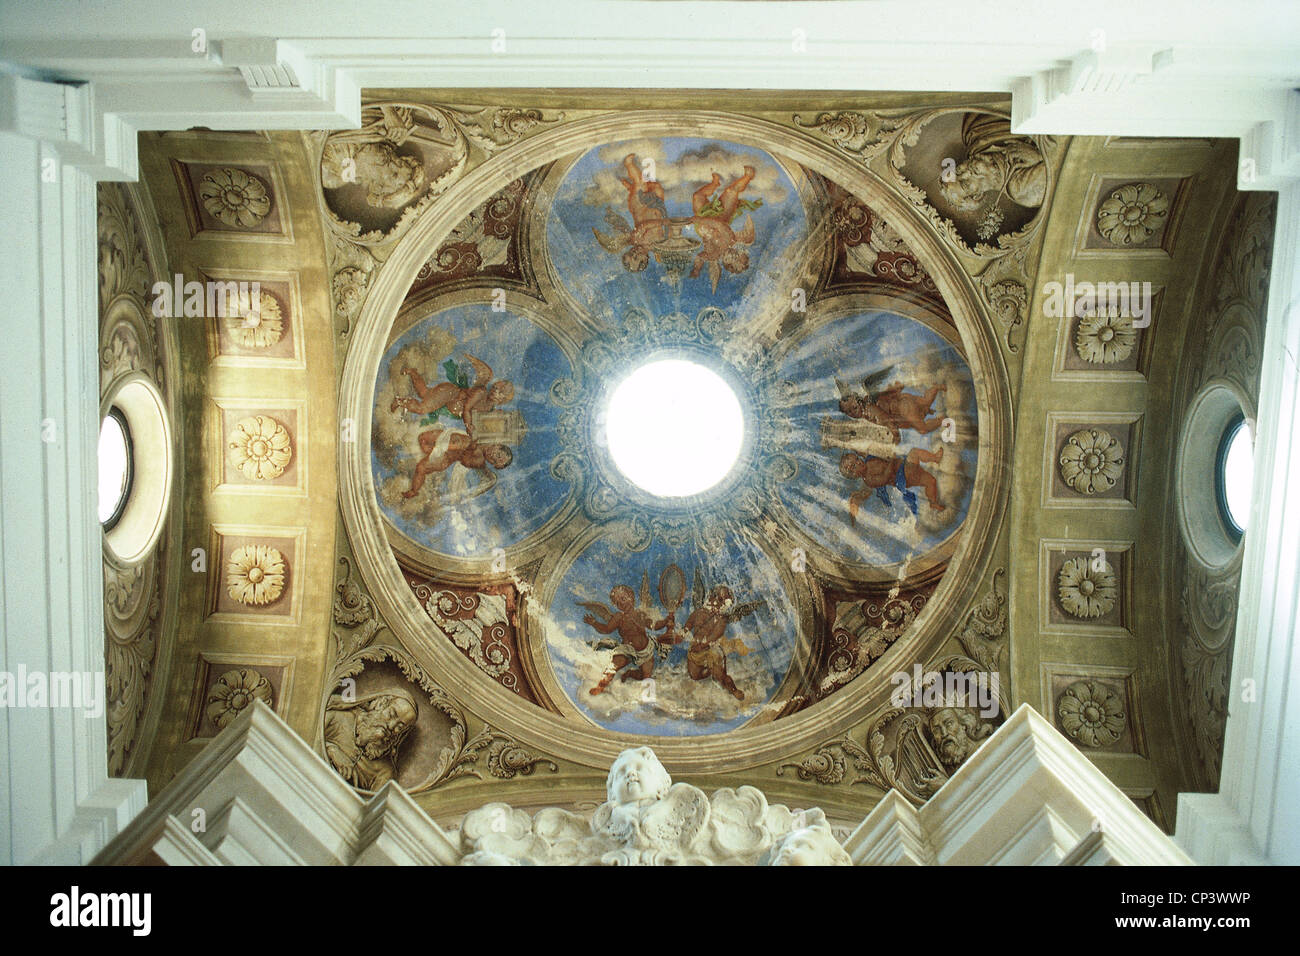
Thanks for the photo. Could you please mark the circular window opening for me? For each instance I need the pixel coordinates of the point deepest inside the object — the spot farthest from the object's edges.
(1234, 472)
(115, 466)
(674, 428)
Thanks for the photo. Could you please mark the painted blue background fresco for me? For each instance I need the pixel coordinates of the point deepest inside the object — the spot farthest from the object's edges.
(597, 279)
(770, 631)
(525, 494)
(850, 349)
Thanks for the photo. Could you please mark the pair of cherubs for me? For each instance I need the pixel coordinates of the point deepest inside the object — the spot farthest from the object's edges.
(721, 247)
(440, 447)
(893, 409)
(635, 652)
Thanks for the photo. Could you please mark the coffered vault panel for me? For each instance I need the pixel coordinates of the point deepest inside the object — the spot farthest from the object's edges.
(483, 606)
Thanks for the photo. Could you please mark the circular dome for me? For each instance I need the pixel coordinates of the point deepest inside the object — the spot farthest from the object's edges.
(639, 486)
(673, 403)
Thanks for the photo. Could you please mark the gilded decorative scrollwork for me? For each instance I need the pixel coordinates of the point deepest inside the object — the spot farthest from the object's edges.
(987, 205)
(377, 180)
(1231, 349)
(984, 636)
(131, 607)
(129, 343)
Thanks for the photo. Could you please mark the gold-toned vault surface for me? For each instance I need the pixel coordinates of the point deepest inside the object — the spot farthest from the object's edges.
(398, 523)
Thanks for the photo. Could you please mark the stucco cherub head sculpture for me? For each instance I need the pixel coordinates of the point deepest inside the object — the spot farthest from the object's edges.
(637, 776)
(809, 846)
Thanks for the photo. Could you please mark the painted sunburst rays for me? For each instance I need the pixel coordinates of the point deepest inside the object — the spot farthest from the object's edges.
(883, 437)
(679, 224)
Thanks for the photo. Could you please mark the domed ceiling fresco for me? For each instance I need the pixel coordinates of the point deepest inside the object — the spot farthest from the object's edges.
(863, 449)
(681, 616)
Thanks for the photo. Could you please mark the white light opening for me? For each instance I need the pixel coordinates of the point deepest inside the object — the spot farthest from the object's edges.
(113, 467)
(674, 428)
(1238, 474)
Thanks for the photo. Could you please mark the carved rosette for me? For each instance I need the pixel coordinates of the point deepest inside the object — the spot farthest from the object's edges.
(258, 328)
(1090, 713)
(1104, 339)
(260, 447)
(1086, 591)
(255, 574)
(1132, 214)
(233, 692)
(236, 197)
(1091, 461)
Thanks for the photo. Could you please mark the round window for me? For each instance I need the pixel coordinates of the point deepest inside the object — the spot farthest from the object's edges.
(1234, 472)
(115, 466)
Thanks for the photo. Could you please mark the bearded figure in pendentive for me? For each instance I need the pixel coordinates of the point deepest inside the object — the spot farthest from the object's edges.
(362, 737)
(368, 156)
(956, 735)
(996, 164)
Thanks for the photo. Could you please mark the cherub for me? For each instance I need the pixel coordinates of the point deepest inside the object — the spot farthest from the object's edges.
(894, 408)
(712, 219)
(645, 202)
(635, 652)
(443, 448)
(878, 474)
(707, 656)
(461, 400)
